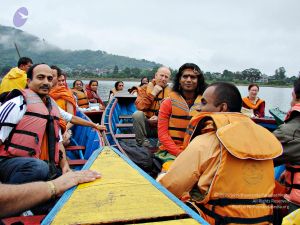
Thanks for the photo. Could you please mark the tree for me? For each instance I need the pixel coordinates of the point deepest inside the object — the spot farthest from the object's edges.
(136, 72)
(251, 74)
(127, 71)
(228, 75)
(280, 73)
(116, 70)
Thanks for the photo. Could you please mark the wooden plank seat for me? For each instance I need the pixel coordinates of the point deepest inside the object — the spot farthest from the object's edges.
(75, 147)
(125, 136)
(124, 125)
(76, 162)
(125, 117)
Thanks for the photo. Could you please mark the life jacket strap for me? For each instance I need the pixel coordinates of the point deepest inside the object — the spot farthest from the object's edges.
(219, 219)
(233, 201)
(177, 128)
(31, 151)
(47, 117)
(181, 117)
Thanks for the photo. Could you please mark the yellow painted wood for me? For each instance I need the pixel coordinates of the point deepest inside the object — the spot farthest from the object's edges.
(122, 194)
(173, 222)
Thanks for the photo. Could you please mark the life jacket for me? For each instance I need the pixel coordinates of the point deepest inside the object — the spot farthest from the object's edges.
(153, 110)
(292, 182)
(249, 105)
(82, 99)
(14, 79)
(292, 218)
(242, 187)
(180, 117)
(295, 108)
(26, 137)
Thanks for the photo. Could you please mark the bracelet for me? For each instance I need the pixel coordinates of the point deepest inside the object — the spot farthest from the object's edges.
(52, 189)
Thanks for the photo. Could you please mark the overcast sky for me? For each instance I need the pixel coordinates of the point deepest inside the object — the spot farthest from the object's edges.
(215, 34)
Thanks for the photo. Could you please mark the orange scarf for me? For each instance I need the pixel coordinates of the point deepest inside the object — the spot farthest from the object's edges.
(250, 104)
(61, 92)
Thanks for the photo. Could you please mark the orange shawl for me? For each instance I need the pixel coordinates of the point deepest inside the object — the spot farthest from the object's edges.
(62, 93)
(250, 104)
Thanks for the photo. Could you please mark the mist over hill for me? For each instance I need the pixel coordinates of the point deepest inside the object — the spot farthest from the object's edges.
(39, 50)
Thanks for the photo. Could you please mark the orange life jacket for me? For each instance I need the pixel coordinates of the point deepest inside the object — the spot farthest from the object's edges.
(82, 99)
(292, 183)
(180, 117)
(242, 187)
(248, 104)
(153, 110)
(25, 139)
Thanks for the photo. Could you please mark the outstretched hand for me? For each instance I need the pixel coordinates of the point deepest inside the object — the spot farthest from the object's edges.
(71, 179)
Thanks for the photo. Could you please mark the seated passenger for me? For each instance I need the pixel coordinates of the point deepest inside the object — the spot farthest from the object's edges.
(253, 106)
(91, 91)
(80, 93)
(16, 78)
(226, 172)
(148, 102)
(32, 151)
(134, 89)
(144, 81)
(119, 85)
(62, 95)
(289, 136)
(176, 111)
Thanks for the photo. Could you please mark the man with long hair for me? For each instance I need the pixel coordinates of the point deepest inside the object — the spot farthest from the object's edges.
(176, 111)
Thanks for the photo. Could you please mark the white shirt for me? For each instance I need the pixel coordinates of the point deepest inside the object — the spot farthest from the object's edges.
(13, 111)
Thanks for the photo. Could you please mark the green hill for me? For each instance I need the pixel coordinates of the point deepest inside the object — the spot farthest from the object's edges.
(41, 51)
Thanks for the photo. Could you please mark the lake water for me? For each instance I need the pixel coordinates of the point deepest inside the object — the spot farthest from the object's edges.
(273, 96)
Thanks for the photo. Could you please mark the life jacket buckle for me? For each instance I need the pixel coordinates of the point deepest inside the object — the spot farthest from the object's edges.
(32, 153)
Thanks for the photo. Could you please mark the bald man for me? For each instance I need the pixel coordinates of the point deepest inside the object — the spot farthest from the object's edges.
(148, 103)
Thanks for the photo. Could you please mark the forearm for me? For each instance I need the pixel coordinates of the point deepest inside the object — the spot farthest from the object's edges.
(69, 126)
(79, 121)
(18, 198)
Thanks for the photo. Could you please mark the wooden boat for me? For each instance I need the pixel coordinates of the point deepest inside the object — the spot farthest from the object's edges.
(84, 141)
(278, 114)
(124, 195)
(95, 116)
(117, 118)
(267, 122)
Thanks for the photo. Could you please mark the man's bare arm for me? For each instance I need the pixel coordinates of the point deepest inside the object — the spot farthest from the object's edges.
(20, 197)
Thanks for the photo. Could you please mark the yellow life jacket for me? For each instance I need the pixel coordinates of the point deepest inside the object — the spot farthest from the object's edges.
(242, 187)
(153, 110)
(292, 219)
(180, 117)
(82, 99)
(14, 79)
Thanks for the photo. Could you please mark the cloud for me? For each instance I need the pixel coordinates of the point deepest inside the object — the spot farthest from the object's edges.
(216, 34)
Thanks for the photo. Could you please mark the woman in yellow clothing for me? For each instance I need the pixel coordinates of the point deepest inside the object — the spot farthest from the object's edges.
(254, 103)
